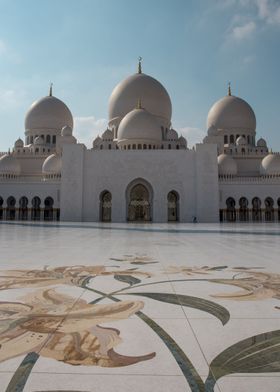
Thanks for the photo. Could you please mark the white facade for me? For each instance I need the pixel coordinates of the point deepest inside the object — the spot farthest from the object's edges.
(139, 169)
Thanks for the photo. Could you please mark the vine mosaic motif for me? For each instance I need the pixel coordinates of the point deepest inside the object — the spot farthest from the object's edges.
(47, 323)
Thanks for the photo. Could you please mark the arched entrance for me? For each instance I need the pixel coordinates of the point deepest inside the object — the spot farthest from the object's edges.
(230, 212)
(139, 204)
(23, 210)
(11, 208)
(256, 209)
(243, 209)
(105, 206)
(269, 209)
(36, 209)
(48, 209)
(172, 200)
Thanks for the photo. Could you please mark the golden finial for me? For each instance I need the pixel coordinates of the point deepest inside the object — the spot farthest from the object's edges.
(51, 86)
(140, 64)
(229, 89)
(139, 104)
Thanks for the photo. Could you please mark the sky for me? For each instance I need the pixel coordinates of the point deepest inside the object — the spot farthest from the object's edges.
(193, 47)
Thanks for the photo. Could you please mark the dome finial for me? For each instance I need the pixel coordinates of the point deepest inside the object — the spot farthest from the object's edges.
(51, 86)
(229, 89)
(139, 104)
(140, 64)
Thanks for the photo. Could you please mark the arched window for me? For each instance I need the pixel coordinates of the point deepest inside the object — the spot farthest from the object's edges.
(48, 139)
(248, 139)
(11, 208)
(226, 139)
(36, 210)
(230, 212)
(101, 147)
(269, 210)
(23, 210)
(169, 146)
(134, 147)
(110, 146)
(1, 207)
(256, 209)
(172, 200)
(243, 209)
(105, 206)
(48, 208)
(128, 147)
(139, 207)
(139, 146)
(231, 139)
(124, 147)
(144, 146)
(177, 147)
(150, 147)
(278, 203)
(54, 139)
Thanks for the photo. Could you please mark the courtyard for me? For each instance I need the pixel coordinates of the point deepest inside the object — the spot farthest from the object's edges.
(92, 307)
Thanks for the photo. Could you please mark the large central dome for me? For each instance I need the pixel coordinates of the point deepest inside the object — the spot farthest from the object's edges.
(48, 113)
(140, 86)
(232, 113)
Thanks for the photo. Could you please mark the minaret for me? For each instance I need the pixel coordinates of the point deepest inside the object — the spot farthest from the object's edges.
(139, 64)
(229, 89)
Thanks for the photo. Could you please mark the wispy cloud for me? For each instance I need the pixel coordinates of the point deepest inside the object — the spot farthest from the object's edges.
(87, 128)
(192, 134)
(244, 31)
(6, 52)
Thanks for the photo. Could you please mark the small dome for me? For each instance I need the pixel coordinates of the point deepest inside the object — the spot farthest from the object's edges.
(9, 165)
(48, 113)
(226, 165)
(171, 134)
(52, 164)
(270, 165)
(66, 131)
(126, 94)
(241, 141)
(19, 143)
(107, 135)
(232, 113)
(261, 143)
(141, 126)
(183, 141)
(39, 141)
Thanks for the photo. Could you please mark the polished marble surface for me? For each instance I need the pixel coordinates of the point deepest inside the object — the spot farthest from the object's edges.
(121, 307)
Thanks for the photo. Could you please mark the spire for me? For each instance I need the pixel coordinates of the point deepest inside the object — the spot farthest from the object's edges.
(139, 64)
(229, 89)
(51, 86)
(139, 104)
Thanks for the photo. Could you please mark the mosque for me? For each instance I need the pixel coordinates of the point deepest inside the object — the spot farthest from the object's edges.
(139, 169)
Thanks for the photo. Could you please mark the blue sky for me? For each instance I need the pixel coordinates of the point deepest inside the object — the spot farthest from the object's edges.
(85, 47)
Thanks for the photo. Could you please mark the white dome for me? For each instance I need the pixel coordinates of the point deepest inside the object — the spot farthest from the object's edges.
(48, 113)
(9, 165)
(107, 135)
(241, 141)
(39, 141)
(19, 143)
(212, 131)
(227, 165)
(52, 164)
(183, 141)
(140, 86)
(261, 143)
(141, 126)
(232, 113)
(270, 165)
(66, 131)
(171, 134)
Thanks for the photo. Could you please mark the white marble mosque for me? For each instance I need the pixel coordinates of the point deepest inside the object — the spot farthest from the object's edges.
(140, 168)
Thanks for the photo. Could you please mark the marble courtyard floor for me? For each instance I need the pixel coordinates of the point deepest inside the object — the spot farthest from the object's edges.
(117, 307)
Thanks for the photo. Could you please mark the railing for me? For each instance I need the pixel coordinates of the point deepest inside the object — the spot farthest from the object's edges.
(256, 179)
(250, 215)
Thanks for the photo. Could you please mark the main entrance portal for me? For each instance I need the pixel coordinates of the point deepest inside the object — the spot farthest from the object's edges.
(139, 208)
